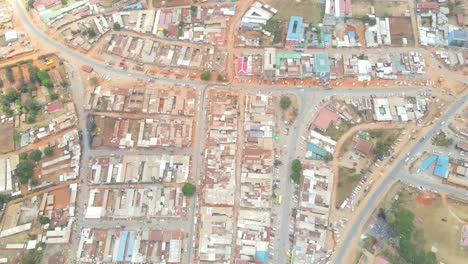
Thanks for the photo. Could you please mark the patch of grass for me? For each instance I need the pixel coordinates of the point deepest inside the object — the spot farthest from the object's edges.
(336, 133)
(442, 140)
(274, 27)
(311, 10)
(347, 181)
(383, 140)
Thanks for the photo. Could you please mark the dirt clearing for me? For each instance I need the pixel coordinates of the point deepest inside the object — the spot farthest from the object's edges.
(310, 10)
(400, 27)
(7, 143)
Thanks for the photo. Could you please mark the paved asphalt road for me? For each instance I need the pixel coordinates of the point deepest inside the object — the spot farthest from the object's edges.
(394, 175)
(318, 92)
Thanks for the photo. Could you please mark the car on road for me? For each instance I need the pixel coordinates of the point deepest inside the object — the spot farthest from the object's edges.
(286, 131)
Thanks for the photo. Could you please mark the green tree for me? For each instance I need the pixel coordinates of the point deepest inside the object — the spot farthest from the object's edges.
(53, 96)
(296, 168)
(23, 156)
(30, 4)
(22, 86)
(34, 182)
(91, 33)
(35, 155)
(31, 87)
(296, 165)
(1, 84)
(285, 102)
(296, 177)
(48, 151)
(206, 76)
(47, 83)
(24, 171)
(33, 71)
(64, 2)
(44, 220)
(12, 95)
(116, 26)
(188, 189)
(32, 106)
(31, 119)
(4, 198)
(220, 78)
(31, 257)
(9, 74)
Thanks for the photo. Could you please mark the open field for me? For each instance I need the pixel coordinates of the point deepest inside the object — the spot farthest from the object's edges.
(447, 234)
(390, 8)
(382, 8)
(7, 143)
(335, 132)
(347, 181)
(311, 10)
(438, 221)
(159, 3)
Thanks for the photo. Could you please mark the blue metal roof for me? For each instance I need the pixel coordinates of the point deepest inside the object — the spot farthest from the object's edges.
(351, 34)
(316, 152)
(261, 256)
(123, 241)
(131, 244)
(427, 162)
(295, 28)
(441, 168)
(133, 6)
(321, 63)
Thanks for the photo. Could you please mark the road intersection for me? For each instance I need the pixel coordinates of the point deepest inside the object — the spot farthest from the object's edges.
(307, 109)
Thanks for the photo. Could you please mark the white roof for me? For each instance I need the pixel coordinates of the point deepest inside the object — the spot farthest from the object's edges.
(174, 251)
(11, 35)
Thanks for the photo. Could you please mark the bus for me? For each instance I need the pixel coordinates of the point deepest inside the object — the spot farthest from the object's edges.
(280, 199)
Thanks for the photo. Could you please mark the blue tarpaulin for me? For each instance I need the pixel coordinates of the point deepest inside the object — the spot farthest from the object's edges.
(123, 242)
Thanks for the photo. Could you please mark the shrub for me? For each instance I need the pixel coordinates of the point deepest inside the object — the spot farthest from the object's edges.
(44, 220)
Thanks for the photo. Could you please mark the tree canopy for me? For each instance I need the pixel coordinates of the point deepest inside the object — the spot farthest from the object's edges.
(296, 168)
(48, 151)
(24, 171)
(189, 189)
(31, 257)
(285, 102)
(44, 220)
(116, 26)
(35, 155)
(206, 76)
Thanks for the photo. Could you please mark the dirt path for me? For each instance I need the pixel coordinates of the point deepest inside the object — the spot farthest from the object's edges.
(446, 205)
(234, 24)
